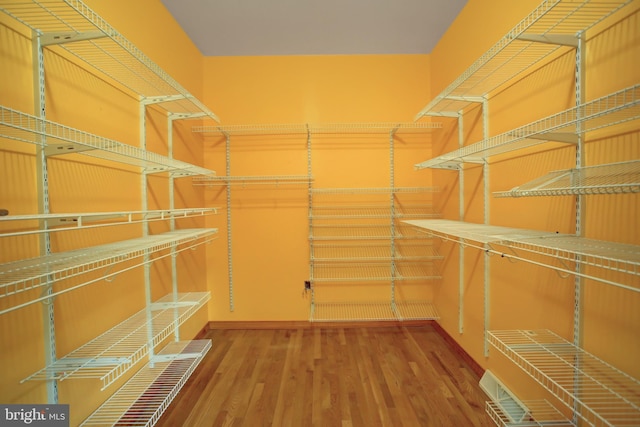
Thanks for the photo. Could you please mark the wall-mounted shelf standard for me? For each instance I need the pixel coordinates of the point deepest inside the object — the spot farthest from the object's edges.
(613, 109)
(600, 394)
(110, 355)
(71, 26)
(216, 181)
(373, 311)
(145, 397)
(619, 257)
(549, 27)
(614, 178)
(24, 275)
(66, 140)
(74, 221)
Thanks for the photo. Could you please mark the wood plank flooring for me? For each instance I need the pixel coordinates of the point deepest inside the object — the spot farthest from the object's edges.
(346, 377)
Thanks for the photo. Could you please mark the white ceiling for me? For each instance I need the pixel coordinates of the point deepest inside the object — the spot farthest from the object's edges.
(314, 27)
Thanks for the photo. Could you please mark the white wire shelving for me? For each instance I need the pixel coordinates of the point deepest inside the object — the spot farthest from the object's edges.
(322, 128)
(63, 140)
(609, 110)
(373, 311)
(613, 178)
(547, 29)
(145, 397)
(70, 25)
(600, 394)
(277, 180)
(352, 252)
(373, 211)
(28, 274)
(620, 257)
(373, 190)
(342, 272)
(541, 414)
(111, 354)
(72, 221)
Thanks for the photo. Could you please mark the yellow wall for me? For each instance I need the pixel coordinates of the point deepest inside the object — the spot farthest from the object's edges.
(83, 100)
(523, 296)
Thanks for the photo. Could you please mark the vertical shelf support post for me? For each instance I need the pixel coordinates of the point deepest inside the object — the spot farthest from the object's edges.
(461, 218)
(229, 245)
(392, 214)
(487, 261)
(43, 208)
(310, 216)
(172, 224)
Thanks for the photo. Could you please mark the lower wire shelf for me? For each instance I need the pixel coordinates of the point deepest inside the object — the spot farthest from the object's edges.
(541, 413)
(110, 355)
(372, 311)
(145, 397)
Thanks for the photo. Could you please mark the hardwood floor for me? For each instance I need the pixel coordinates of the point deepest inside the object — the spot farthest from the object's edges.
(386, 376)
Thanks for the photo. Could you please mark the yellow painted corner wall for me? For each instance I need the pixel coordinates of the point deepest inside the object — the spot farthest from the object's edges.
(81, 99)
(270, 226)
(522, 295)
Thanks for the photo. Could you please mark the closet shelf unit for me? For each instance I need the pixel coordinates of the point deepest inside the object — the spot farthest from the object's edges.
(144, 398)
(76, 30)
(72, 221)
(110, 355)
(554, 28)
(549, 29)
(71, 30)
(610, 110)
(597, 392)
(619, 257)
(612, 178)
(365, 244)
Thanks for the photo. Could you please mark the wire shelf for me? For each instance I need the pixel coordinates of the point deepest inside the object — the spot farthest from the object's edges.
(542, 414)
(326, 128)
(72, 221)
(556, 22)
(597, 253)
(370, 190)
(71, 26)
(66, 140)
(112, 354)
(614, 178)
(601, 394)
(350, 252)
(344, 272)
(212, 181)
(346, 252)
(372, 311)
(24, 275)
(411, 271)
(610, 110)
(351, 232)
(372, 211)
(145, 397)
(477, 232)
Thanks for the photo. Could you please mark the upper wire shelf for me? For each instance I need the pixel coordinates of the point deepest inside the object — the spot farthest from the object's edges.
(211, 181)
(552, 25)
(326, 128)
(600, 394)
(66, 140)
(613, 178)
(24, 275)
(110, 355)
(620, 257)
(609, 110)
(74, 221)
(372, 190)
(72, 26)
(145, 397)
